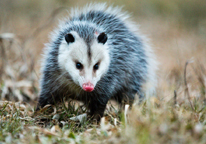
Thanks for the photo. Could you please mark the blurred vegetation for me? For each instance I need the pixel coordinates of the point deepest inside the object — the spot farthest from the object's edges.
(177, 29)
(189, 12)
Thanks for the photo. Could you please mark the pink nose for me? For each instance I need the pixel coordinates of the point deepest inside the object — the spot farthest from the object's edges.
(88, 87)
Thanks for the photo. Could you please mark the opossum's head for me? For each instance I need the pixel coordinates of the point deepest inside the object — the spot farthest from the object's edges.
(85, 62)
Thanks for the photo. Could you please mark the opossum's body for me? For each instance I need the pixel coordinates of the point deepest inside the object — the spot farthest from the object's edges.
(94, 56)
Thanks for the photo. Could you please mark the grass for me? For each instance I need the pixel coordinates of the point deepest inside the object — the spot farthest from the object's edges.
(154, 121)
(176, 115)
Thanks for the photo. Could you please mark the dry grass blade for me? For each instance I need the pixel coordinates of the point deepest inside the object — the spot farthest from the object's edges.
(125, 112)
(44, 131)
(44, 109)
(8, 36)
(186, 87)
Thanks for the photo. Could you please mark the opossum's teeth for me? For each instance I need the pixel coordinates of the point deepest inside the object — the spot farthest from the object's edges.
(88, 87)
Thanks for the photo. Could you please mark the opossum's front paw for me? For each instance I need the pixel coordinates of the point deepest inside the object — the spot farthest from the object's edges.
(95, 117)
(97, 109)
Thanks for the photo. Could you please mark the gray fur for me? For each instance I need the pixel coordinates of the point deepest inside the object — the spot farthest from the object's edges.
(129, 61)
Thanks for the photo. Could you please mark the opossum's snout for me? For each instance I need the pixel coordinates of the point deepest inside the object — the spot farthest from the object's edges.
(88, 87)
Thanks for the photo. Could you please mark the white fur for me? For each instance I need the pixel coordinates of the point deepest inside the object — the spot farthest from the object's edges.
(78, 51)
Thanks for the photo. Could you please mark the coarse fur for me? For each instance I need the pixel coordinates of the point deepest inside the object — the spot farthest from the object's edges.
(126, 62)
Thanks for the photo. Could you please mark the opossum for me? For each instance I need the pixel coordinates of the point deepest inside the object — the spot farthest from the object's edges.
(95, 55)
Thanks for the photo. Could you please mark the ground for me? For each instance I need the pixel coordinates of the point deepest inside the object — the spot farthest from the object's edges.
(176, 114)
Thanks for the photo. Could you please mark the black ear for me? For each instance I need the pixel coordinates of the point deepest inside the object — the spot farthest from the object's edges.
(69, 38)
(102, 38)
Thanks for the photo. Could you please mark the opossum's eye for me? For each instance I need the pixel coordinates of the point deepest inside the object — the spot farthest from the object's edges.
(69, 38)
(96, 66)
(79, 65)
(102, 38)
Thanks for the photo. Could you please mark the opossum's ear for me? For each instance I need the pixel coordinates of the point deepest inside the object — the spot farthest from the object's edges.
(102, 38)
(69, 38)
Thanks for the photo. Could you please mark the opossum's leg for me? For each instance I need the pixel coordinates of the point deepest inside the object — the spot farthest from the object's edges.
(124, 98)
(127, 99)
(97, 108)
(48, 98)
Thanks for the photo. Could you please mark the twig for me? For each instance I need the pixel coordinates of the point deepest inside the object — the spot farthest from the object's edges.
(175, 97)
(186, 87)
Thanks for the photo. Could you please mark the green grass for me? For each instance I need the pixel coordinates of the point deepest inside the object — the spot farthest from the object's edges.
(154, 121)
